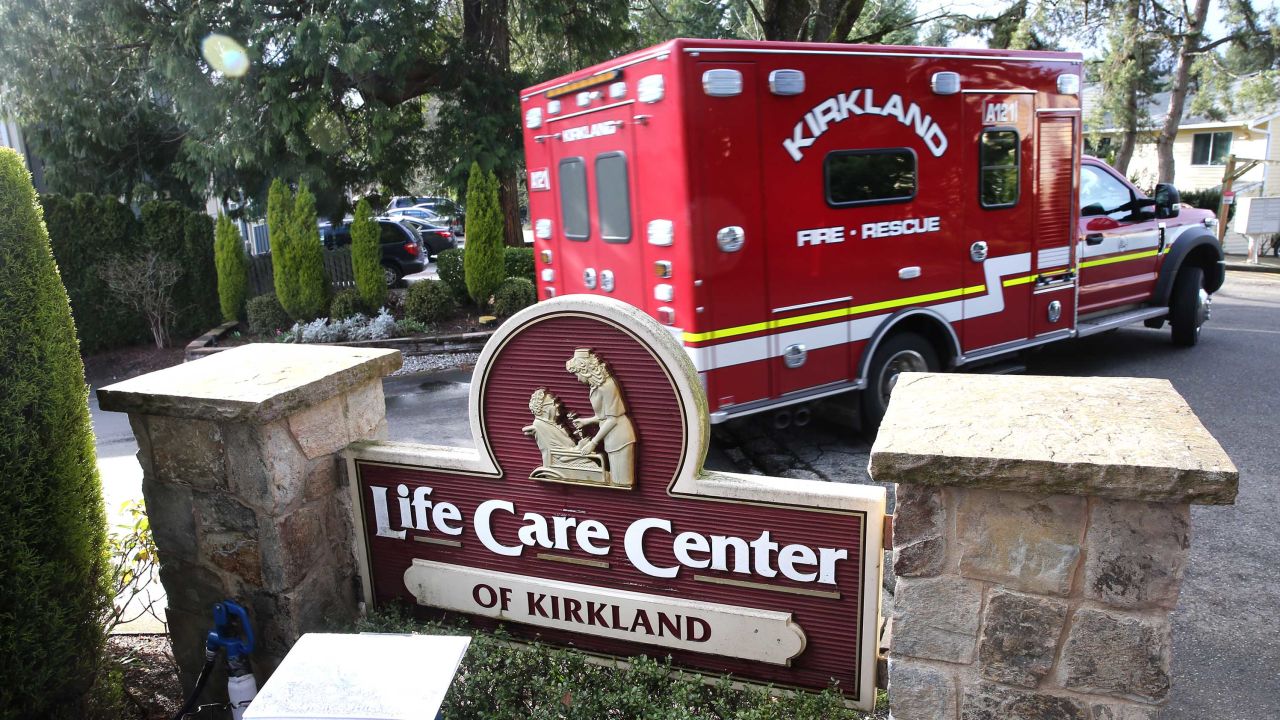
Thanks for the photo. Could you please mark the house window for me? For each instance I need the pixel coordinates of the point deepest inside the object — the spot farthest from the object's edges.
(998, 160)
(1210, 148)
(867, 177)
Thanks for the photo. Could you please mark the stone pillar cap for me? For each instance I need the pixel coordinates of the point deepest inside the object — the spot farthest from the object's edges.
(1120, 438)
(257, 383)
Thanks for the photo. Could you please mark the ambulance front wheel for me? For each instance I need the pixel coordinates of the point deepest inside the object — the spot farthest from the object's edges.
(899, 353)
(1189, 306)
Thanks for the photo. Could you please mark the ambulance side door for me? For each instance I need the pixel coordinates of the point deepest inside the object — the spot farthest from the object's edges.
(1121, 242)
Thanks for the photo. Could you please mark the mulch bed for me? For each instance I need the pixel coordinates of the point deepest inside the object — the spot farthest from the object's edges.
(151, 687)
(112, 366)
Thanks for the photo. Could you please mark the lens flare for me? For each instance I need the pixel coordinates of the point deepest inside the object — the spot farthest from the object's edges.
(225, 55)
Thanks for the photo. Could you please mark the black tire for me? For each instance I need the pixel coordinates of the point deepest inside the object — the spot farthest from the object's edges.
(1188, 306)
(392, 275)
(900, 352)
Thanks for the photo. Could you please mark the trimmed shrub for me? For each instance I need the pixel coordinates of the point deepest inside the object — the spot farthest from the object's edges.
(266, 315)
(452, 271)
(347, 303)
(85, 232)
(53, 544)
(518, 262)
(233, 269)
(366, 256)
(308, 259)
(483, 260)
(513, 295)
(429, 302)
(196, 297)
(279, 233)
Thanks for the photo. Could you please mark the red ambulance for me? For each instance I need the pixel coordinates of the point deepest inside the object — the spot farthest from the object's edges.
(811, 219)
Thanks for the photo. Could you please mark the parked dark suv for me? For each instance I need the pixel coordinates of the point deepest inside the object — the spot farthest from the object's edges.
(402, 252)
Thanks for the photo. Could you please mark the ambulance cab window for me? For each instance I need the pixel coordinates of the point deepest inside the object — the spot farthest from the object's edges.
(614, 197)
(1101, 193)
(866, 177)
(573, 198)
(998, 162)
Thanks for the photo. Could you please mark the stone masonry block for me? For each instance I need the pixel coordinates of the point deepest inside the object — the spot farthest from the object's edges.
(921, 692)
(366, 407)
(1020, 637)
(172, 518)
(285, 464)
(1125, 712)
(1116, 653)
(322, 478)
(320, 429)
(1022, 541)
(936, 618)
(1136, 553)
(189, 452)
(987, 701)
(919, 531)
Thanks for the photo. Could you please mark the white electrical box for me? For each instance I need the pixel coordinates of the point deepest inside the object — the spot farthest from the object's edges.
(365, 677)
(1257, 215)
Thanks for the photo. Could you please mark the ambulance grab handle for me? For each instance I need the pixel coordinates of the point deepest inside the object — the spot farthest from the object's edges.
(1094, 238)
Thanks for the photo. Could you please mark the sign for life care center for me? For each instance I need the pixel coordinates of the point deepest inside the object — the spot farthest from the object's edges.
(583, 516)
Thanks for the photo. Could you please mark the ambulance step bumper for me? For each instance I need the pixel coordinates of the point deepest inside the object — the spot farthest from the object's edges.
(1093, 326)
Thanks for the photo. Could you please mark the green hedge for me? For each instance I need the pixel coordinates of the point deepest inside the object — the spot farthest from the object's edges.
(85, 232)
(519, 263)
(429, 302)
(452, 271)
(512, 296)
(53, 542)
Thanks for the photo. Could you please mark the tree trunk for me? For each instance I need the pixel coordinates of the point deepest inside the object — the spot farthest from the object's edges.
(1178, 91)
(509, 199)
(486, 33)
(1129, 113)
(785, 19)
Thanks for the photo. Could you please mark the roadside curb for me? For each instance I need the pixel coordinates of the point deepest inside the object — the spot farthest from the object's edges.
(1261, 267)
(207, 344)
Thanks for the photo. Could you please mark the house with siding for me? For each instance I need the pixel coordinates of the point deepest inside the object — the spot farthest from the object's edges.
(1201, 146)
(11, 137)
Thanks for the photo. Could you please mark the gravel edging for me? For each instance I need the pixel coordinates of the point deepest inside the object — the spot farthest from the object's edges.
(437, 362)
(418, 345)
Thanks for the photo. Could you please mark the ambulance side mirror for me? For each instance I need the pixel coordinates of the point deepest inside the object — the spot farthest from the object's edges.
(1167, 201)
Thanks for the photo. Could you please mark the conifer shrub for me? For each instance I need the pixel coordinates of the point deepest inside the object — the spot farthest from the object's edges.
(308, 259)
(233, 269)
(196, 297)
(518, 263)
(347, 303)
(266, 315)
(279, 233)
(451, 269)
(513, 295)
(429, 302)
(54, 592)
(366, 256)
(483, 261)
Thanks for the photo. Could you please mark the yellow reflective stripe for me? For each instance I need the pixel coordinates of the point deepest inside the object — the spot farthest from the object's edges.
(1119, 258)
(1019, 280)
(831, 314)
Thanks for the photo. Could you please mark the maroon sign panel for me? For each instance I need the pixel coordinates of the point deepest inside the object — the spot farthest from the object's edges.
(584, 519)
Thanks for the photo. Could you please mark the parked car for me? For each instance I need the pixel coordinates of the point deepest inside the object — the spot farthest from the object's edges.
(407, 201)
(402, 252)
(435, 238)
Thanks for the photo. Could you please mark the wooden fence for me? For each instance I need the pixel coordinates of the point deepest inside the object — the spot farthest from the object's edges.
(337, 267)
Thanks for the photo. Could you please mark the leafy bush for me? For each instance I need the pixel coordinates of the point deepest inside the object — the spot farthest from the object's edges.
(279, 234)
(1207, 199)
(233, 268)
(519, 263)
(366, 256)
(513, 295)
(499, 680)
(146, 283)
(451, 269)
(53, 544)
(429, 302)
(266, 315)
(483, 260)
(409, 326)
(308, 259)
(347, 303)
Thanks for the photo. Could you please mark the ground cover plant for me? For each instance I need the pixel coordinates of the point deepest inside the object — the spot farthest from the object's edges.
(499, 679)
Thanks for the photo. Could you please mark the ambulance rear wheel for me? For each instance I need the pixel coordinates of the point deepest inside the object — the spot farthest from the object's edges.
(899, 353)
(1189, 306)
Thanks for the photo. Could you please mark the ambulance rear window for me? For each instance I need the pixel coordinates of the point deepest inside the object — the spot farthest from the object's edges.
(998, 159)
(614, 197)
(866, 177)
(573, 198)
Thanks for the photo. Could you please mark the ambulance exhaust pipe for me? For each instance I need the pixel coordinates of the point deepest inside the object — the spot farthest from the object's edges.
(782, 420)
(801, 416)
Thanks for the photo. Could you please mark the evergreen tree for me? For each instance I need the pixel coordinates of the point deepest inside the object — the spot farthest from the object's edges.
(233, 269)
(53, 543)
(279, 234)
(307, 261)
(366, 256)
(483, 261)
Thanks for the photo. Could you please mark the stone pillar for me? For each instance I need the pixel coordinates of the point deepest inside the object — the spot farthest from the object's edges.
(1040, 539)
(244, 491)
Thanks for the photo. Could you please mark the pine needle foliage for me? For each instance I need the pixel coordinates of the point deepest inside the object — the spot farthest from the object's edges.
(279, 233)
(366, 256)
(483, 261)
(307, 262)
(233, 269)
(53, 543)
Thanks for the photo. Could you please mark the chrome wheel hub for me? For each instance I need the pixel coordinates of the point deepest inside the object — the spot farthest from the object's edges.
(903, 361)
